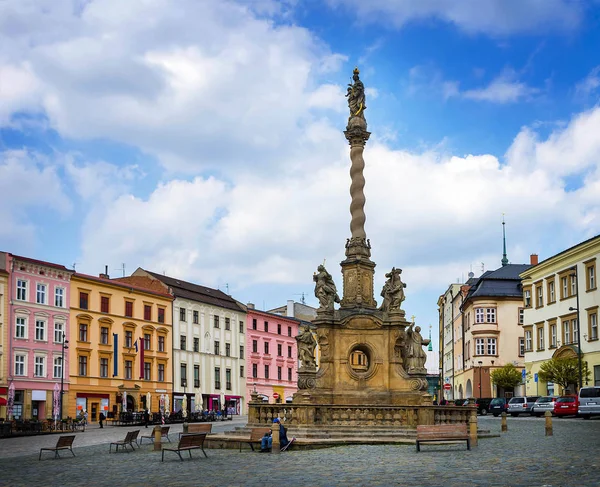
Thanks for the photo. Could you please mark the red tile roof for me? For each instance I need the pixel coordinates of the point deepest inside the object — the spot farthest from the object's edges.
(41, 262)
(115, 282)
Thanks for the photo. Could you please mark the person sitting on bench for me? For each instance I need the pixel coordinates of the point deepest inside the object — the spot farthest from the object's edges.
(267, 440)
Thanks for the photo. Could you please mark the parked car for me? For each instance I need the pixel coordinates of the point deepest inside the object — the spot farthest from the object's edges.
(589, 401)
(543, 404)
(566, 406)
(521, 404)
(498, 406)
(483, 404)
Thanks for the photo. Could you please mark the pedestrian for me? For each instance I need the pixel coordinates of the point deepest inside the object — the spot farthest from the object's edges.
(85, 417)
(146, 418)
(101, 418)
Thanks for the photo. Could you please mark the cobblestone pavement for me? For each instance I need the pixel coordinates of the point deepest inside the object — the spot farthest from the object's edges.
(521, 457)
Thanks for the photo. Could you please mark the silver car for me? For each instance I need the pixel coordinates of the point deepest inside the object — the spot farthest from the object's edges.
(589, 401)
(520, 405)
(543, 404)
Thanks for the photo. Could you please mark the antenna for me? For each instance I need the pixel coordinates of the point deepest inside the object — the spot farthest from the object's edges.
(482, 267)
(122, 269)
(302, 297)
(227, 287)
(75, 265)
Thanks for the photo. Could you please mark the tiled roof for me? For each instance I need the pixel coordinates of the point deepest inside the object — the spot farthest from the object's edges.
(41, 262)
(272, 315)
(195, 292)
(144, 282)
(115, 282)
(503, 282)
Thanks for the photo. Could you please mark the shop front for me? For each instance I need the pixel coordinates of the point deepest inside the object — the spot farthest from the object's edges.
(93, 404)
(233, 404)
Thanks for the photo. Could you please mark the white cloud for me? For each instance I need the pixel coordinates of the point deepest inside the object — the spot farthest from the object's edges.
(492, 17)
(589, 85)
(503, 89)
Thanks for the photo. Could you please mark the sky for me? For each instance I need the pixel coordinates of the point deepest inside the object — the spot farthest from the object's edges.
(204, 139)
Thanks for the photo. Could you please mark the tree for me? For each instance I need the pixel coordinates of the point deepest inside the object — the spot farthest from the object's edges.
(562, 371)
(507, 377)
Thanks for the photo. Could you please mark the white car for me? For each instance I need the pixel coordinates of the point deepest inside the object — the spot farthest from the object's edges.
(543, 404)
(589, 401)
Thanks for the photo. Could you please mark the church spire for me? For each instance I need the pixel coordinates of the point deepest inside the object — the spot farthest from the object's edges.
(430, 347)
(504, 258)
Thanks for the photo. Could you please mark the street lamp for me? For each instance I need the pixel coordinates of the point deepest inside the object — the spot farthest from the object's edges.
(579, 362)
(480, 364)
(65, 345)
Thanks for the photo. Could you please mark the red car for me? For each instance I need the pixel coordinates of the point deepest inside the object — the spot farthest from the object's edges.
(566, 405)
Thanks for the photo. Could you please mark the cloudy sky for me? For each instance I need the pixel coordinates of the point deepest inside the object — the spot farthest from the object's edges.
(204, 138)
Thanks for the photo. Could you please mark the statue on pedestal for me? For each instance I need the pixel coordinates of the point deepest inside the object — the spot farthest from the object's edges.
(356, 96)
(306, 348)
(393, 291)
(415, 355)
(325, 289)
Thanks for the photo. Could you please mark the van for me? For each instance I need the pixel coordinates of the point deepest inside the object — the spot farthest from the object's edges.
(523, 404)
(498, 406)
(589, 401)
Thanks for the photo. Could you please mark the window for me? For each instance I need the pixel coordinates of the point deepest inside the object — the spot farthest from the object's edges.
(480, 346)
(161, 315)
(289, 351)
(228, 379)
(521, 347)
(266, 348)
(566, 332)
(241, 351)
(147, 341)
(593, 321)
(83, 329)
(266, 326)
(217, 348)
(21, 290)
(551, 292)
(161, 372)
(528, 343)
(266, 371)
(128, 369)
(590, 272)
(564, 287)
(289, 373)
(279, 350)
(40, 330)
(468, 350)
(491, 346)
(540, 296)
(575, 325)
(527, 298)
(217, 377)
(183, 373)
(147, 371)
(573, 285)
(103, 367)
(59, 297)
(104, 335)
(19, 364)
(255, 371)
(39, 363)
(57, 367)
(540, 338)
(195, 317)
(278, 373)
(129, 309)
(553, 335)
(241, 371)
(289, 331)
(227, 324)
(241, 327)
(521, 316)
(216, 321)
(128, 338)
(40, 296)
(161, 343)
(82, 365)
(104, 304)
(181, 314)
(21, 327)
(83, 300)
(490, 315)
(479, 315)
(148, 312)
(254, 323)
(196, 376)
(278, 329)
(196, 344)
(182, 342)
(255, 346)
(228, 350)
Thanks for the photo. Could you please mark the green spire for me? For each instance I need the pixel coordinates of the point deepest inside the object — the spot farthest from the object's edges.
(430, 347)
(504, 258)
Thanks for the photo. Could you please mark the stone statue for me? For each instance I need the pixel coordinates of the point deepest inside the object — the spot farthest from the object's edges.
(323, 340)
(356, 96)
(415, 355)
(393, 291)
(325, 289)
(306, 348)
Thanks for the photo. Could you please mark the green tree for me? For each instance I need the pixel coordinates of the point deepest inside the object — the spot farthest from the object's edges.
(562, 371)
(507, 377)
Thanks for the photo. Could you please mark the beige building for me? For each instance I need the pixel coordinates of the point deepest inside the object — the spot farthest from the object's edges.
(449, 310)
(559, 293)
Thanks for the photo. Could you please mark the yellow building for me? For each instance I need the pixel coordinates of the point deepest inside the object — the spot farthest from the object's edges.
(120, 342)
(558, 294)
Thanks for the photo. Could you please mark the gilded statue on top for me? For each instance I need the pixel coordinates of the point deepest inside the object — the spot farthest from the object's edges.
(356, 96)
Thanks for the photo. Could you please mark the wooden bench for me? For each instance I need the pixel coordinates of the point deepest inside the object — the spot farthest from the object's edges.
(164, 433)
(197, 428)
(130, 439)
(189, 442)
(442, 433)
(256, 436)
(63, 443)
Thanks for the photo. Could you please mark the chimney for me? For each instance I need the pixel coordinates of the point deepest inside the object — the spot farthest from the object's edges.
(533, 259)
(290, 308)
(250, 305)
(105, 275)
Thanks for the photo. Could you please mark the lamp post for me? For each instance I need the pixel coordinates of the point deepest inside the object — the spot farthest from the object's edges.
(65, 345)
(480, 364)
(579, 362)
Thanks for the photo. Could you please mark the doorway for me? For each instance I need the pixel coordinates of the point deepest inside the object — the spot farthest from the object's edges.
(94, 411)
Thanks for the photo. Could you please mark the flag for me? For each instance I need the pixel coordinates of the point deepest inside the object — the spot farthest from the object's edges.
(141, 357)
(115, 355)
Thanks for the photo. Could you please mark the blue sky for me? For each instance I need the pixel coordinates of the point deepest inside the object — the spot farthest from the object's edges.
(204, 139)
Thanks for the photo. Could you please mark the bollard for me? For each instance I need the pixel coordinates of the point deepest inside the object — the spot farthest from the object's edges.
(275, 447)
(157, 435)
(473, 428)
(185, 427)
(504, 425)
(548, 416)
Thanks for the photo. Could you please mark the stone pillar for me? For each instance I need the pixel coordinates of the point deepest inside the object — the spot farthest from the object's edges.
(504, 426)
(473, 428)
(157, 437)
(185, 427)
(275, 435)
(548, 416)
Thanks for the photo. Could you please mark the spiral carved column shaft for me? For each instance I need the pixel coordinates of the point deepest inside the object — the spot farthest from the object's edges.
(357, 212)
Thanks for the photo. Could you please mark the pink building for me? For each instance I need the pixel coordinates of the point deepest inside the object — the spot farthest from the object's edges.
(272, 356)
(39, 320)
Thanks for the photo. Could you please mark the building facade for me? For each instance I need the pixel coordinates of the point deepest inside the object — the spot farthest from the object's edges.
(120, 345)
(272, 358)
(38, 294)
(209, 347)
(561, 300)
(447, 309)
(4, 327)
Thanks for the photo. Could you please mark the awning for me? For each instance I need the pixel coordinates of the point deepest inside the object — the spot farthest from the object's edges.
(3, 401)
